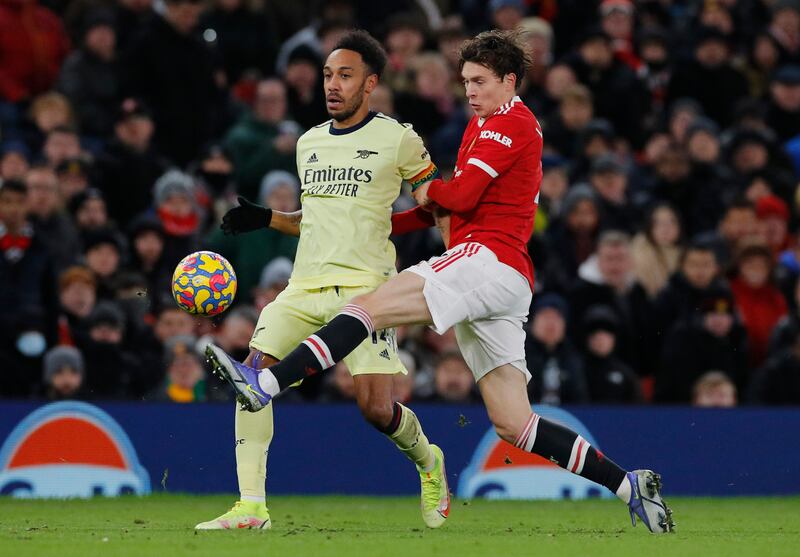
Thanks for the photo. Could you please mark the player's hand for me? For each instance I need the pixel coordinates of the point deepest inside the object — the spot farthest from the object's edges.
(421, 195)
(245, 218)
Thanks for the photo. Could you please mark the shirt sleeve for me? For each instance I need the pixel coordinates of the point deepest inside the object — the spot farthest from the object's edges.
(411, 220)
(413, 160)
(498, 146)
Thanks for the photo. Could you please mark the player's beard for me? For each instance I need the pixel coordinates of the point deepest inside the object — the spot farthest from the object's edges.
(352, 107)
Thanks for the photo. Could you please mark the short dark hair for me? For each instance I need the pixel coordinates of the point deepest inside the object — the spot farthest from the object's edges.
(367, 46)
(503, 52)
(16, 186)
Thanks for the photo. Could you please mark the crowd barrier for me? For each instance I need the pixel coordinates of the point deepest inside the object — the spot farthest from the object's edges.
(81, 449)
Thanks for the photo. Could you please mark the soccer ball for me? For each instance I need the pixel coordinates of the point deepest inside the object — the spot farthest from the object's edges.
(204, 283)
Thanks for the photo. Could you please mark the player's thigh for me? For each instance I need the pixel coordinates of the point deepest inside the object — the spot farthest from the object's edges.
(505, 394)
(468, 283)
(377, 354)
(398, 301)
(286, 322)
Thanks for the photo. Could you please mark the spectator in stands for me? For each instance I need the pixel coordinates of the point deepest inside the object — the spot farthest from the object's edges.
(73, 177)
(703, 148)
(507, 14)
(609, 379)
(785, 29)
(558, 375)
(607, 278)
(129, 165)
(429, 104)
(90, 75)
(712, 339)
(783, 109)
(572, 236)
(538, 35)
(737, 227)
(53, 227)
(782, 336)
(778, 381)
(245, 38)
(616, 20)
(236, 331)
(575, 111)
(609, 179)
(103, 254)
(773, 219)
(188, 105)
(26, 274)
(714, 389)
(656, 249)
(147, 257)
(249, 253)
(274, 280)
(610, 79)
(656, 69)
(405, 38)
(109, 367)
(185, 376)
(77, 295)
(88, 211)
(698, 274)
(263, 140)
(47, 112)
(62, 143)
(453, 380)
(175, 200)
(33, 44)
(63, 373)
(14, 160)
(759, 302)
(709, 76)
(304, 93)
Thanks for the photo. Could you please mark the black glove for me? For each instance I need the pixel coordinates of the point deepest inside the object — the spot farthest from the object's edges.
(245, 218)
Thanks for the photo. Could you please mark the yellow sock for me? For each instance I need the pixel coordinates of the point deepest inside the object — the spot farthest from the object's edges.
(410, 439)
(254, 432)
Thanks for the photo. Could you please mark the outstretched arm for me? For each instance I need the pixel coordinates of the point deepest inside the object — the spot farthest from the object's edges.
(287, 223)
(420, 218)
(249, 216)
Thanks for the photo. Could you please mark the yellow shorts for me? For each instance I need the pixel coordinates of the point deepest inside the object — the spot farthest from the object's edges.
(295, 314)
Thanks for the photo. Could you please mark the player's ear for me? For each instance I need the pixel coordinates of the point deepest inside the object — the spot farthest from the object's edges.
(510, 79)
(371, 83)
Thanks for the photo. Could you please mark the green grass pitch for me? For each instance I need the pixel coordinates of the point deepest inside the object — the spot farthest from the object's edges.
(353, 526)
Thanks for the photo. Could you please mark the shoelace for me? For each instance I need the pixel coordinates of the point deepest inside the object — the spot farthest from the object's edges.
(430, 495)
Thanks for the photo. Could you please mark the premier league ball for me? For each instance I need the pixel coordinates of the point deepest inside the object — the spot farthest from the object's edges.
(204, 283)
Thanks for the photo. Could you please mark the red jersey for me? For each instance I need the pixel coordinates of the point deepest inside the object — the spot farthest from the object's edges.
(495, 189)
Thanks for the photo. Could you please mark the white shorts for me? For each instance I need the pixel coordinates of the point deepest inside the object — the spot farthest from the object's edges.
(486, 300)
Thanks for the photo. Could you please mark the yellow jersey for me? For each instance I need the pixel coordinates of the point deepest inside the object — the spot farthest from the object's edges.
(349, 179)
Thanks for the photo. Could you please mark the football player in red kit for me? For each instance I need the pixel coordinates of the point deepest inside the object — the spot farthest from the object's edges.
(482, 285)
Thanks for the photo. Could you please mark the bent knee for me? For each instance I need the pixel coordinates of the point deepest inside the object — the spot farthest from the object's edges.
(378, 413)
(507, 428)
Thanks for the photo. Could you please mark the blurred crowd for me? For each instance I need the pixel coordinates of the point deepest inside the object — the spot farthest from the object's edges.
(666, 249)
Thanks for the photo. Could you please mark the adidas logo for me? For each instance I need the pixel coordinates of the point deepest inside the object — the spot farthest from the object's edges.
(384, 354)
(312, 158)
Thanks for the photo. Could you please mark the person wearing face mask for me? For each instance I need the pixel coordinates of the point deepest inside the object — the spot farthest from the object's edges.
(63, 369)
(710, 339)
(175, 201)
(109, 367)
(610, 381)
